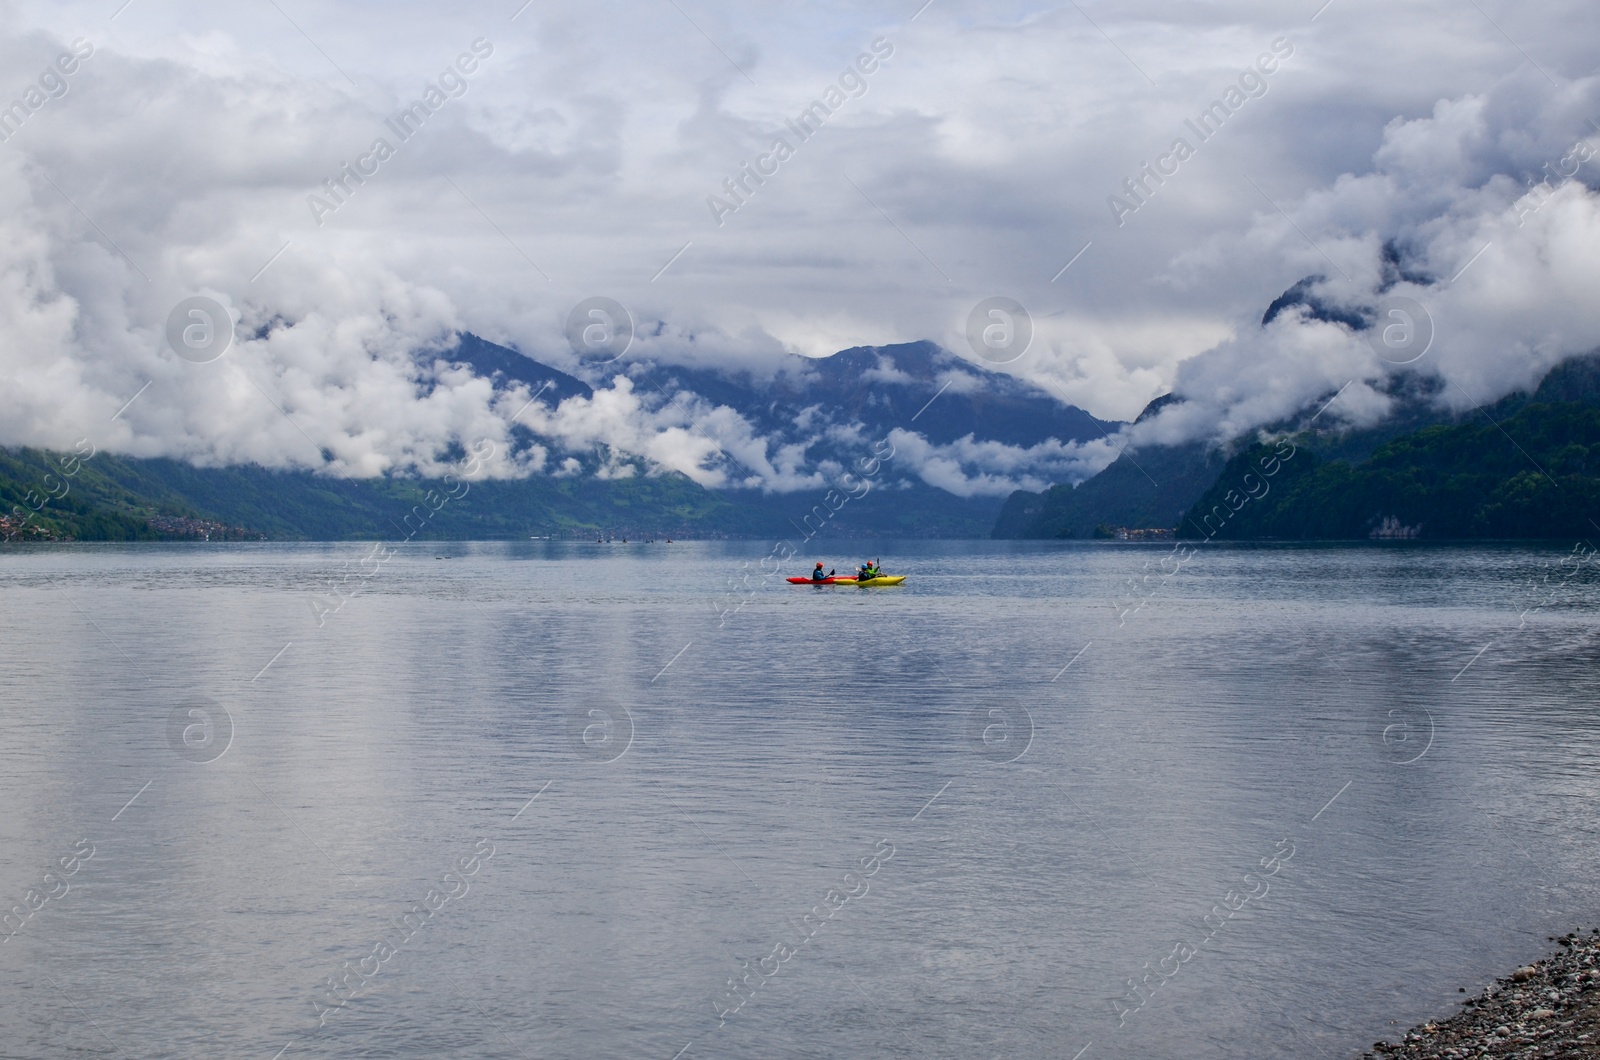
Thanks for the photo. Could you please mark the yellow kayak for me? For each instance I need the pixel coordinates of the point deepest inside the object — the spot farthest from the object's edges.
(883, 579)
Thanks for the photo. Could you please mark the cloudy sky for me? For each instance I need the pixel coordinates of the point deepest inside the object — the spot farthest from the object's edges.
(585, 152)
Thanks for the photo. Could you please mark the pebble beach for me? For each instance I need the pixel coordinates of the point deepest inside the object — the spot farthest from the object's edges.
(1550, 1008)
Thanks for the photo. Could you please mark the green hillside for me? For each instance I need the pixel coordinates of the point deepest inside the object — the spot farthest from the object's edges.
(63, 497)
(57, 497)
(53, 496)
(1150, 488)
(1441, 474)
(1534, 474)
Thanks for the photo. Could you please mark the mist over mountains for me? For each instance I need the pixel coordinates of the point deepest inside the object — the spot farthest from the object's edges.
(762, 453)
(1527, 466)
(765, 450)
(955, 426)
(426, 314)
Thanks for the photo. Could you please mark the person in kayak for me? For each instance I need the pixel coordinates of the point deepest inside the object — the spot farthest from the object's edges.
(817, 575)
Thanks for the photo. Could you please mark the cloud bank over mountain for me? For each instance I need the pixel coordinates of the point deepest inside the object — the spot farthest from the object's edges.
(568, 150)
(1484, 214)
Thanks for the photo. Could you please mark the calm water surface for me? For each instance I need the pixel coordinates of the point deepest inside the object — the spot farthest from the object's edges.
(577, 800)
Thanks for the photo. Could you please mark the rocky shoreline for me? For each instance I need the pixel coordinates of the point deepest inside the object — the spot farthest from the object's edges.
(1551, 1008)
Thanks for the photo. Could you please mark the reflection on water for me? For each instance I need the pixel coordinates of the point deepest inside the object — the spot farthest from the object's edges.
(546, 799)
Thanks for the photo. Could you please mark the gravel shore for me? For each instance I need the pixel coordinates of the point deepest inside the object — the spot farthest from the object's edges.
(1551, 1008)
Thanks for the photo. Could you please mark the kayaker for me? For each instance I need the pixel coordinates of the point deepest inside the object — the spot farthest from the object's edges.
(817, 575)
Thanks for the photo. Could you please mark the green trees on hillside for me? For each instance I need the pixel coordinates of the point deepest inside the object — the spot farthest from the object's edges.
(1535, 474)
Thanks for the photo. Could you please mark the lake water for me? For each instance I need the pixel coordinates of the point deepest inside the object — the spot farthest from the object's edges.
(552, 799)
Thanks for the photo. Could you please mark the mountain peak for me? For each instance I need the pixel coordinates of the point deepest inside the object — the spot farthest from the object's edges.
(983, 429)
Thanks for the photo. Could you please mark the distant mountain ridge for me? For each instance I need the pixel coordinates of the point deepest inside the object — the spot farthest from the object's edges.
(1150, 487)
(503, 364)
(829, 408)
(1154, 486)
(916, 386)
(1527, 466)
(835, 405)
(1532, 475)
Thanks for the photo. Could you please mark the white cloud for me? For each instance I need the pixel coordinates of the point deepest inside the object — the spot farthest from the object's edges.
(968, 468)
(957, 382)
(885, 371)
(1501, 264)
(977, 163)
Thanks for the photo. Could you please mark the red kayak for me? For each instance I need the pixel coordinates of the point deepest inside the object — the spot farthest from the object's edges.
(841, 580)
